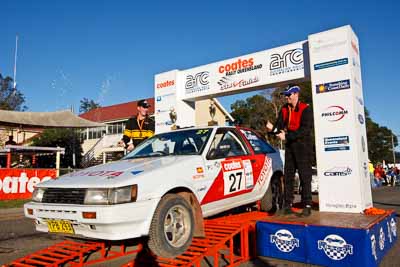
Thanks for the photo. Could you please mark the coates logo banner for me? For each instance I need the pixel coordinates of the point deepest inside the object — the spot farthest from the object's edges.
(165, 84)
(227, 83)
(239, 66)
(19, 183)
(198, 82)
(288, 61)
(231, 165)
(334, 113)
(332, 86)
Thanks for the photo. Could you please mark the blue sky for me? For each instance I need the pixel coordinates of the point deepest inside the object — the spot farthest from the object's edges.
(110, 51)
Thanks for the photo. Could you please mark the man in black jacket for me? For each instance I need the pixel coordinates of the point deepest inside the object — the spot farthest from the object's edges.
(294, 125)
(138, 128)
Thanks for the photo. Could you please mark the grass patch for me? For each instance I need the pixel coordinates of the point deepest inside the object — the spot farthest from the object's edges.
(14, 203)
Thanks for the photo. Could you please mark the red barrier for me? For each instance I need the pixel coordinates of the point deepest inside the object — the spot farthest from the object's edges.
(19, 183)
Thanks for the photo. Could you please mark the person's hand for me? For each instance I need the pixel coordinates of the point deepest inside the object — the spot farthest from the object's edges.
(121, 143)
(269, 126)
(281, 135)
(130, 147)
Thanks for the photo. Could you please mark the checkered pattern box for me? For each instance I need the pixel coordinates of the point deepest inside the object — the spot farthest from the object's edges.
(333, 246)
(283, 241)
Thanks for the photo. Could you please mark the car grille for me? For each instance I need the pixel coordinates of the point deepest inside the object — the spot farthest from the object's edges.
(64, 195)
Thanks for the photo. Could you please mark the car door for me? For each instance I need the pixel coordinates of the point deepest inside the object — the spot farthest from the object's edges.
(229, 166)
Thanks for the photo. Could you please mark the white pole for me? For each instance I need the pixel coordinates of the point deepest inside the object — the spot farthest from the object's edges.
(15, 61)
(58, 157)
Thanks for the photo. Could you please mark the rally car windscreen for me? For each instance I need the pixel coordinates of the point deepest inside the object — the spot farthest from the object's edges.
(186, 142)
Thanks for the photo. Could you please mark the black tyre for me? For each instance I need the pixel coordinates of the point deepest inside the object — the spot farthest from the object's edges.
(172, 226)
(273, 197)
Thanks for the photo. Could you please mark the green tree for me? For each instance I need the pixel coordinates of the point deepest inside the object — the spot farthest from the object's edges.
(10, 98)
(379, 141)
(66, 138)
(87, 105)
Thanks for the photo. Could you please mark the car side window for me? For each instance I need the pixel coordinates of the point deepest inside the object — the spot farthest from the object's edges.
(226, 144)
(259, 145)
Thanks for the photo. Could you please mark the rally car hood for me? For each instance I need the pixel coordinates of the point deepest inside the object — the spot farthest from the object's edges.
(116, 174)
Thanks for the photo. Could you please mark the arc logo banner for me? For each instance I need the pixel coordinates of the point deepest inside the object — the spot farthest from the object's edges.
(19, 183)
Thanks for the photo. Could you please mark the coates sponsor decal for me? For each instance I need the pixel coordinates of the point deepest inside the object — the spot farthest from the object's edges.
(198, 82)
(332, 86)
(338, 171)
(334, 113)
(96, 173)
(227, 83)
(335, 247)
(239, 66)
(165, 84)
(19, 184)
(288, 61)
(354, 46)
(231, 165)
(330, 64)
(336, 143)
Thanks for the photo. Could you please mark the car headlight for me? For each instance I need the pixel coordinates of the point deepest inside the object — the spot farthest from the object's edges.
(111, 196)
(37, 194)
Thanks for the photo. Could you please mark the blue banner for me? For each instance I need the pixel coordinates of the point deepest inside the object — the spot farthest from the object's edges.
(327, 245)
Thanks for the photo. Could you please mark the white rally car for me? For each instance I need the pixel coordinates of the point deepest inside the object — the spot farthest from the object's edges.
(162, 189)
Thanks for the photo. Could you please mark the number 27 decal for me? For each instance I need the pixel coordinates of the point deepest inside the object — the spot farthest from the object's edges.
(234, 181)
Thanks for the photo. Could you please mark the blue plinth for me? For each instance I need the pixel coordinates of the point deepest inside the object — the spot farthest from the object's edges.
(327, 245)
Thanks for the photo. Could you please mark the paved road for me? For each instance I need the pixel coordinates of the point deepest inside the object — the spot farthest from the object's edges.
(18, 237)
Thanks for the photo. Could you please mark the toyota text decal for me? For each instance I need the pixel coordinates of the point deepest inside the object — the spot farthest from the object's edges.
(334, 113)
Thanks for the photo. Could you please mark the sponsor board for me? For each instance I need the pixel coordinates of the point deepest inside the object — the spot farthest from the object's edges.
(332, 86)
(331, 64)
(338, 171)
(334, 113)
(19, 183)
(336, 143)
(199, 82)
(287, 61)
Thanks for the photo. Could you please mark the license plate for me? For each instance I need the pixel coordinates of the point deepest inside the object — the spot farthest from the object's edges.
(58, 226)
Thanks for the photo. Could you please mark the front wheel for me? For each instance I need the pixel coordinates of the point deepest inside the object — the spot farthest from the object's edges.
(172, 226)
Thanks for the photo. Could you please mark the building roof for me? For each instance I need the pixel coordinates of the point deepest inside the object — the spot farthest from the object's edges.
(116, 112)
(56, 119)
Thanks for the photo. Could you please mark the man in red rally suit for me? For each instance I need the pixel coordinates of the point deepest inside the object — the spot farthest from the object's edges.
(294, 125)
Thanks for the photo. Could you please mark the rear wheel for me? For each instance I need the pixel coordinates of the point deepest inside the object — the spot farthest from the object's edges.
(273, 197)
(172, 226)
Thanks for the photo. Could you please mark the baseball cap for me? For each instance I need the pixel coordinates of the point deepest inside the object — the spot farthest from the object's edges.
(143, 103)
(290, 90)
